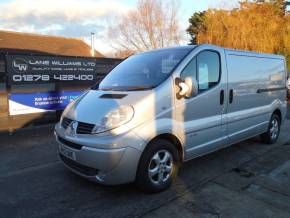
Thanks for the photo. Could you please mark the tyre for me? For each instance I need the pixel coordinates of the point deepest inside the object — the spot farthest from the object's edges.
(158, 166)
(272, 134)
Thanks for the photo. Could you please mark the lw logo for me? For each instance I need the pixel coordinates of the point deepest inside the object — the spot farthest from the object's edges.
(20, 65)
(72, 128)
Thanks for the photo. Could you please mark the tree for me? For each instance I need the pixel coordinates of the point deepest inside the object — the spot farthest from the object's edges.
(255, 26)
(153, 24)
(122, 53)
(280, 5)
(196, 24)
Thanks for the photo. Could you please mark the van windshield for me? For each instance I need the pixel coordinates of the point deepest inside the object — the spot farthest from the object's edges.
(144, 71)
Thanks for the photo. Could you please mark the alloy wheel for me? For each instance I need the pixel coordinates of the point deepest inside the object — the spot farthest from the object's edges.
(160, 167)
(274, 129)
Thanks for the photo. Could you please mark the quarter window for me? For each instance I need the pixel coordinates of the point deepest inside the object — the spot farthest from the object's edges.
(190, 70)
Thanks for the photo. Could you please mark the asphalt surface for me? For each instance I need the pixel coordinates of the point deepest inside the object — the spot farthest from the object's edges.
(248, 179)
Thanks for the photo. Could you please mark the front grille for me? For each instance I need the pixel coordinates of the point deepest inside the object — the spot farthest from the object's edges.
(82, 128)
(88, 171)
(65, 122)
(85, 128)
(69, 144)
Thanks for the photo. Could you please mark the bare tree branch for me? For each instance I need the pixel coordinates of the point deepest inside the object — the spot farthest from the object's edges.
(153, 24)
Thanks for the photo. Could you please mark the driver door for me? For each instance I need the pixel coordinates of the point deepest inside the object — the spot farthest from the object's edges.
(201, 115)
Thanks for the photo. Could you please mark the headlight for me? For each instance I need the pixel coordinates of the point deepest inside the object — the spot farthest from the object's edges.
(114, 119)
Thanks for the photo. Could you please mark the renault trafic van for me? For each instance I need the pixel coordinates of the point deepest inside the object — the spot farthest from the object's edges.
(160, 108)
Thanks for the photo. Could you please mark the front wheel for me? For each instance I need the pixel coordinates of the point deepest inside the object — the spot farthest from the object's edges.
(158, 166)
(272, 134)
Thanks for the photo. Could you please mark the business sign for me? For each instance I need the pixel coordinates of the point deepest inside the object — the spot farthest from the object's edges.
(40, 69)
(27, 103)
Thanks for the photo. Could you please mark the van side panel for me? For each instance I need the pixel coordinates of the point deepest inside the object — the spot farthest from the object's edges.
(258, 84)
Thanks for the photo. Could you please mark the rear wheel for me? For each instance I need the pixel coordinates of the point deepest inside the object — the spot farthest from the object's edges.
(158, 166)
(272, 134)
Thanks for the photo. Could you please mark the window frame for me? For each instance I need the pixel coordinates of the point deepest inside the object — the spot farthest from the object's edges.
(220, 68)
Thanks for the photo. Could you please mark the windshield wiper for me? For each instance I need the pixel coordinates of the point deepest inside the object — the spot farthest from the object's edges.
(103, 89)
(138, 88)
(107, 89)
(95, 87)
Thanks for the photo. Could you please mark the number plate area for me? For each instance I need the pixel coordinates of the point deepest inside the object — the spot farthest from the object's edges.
(67, 152)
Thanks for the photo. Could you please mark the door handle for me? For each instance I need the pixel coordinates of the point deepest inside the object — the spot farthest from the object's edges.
(231, 98)
(222, 97)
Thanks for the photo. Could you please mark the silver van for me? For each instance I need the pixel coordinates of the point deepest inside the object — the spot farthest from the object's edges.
(160, 108)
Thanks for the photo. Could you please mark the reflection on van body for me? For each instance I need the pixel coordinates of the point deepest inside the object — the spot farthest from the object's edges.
(163, 107)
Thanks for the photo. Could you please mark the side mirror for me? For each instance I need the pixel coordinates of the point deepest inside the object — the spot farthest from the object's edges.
(188, 87)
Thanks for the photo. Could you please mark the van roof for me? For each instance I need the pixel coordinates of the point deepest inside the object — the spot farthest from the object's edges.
(252, 53)
(174, 48)
(229, 51)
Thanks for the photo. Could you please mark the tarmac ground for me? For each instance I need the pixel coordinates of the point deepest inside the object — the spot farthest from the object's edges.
(248, 179)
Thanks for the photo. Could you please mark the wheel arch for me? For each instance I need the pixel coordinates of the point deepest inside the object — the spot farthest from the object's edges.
(278, 113)
(174, 140)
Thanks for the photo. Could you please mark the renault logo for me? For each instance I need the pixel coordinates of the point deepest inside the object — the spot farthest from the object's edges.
(72, 128)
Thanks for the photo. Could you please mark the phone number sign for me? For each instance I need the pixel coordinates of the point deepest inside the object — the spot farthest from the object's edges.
(33, 69)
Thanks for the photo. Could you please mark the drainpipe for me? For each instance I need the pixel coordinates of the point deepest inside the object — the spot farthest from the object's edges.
(93, 44)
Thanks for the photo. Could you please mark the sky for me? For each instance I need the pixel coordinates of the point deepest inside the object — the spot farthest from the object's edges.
(78, 18)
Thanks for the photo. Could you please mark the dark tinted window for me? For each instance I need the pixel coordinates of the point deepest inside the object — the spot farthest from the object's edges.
(144, 71)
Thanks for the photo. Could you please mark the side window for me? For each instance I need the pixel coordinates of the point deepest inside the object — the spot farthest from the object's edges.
(208, 70)
(205, 68)
(189, 70)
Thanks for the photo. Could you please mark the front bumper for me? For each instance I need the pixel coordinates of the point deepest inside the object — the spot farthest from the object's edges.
(110, 166)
